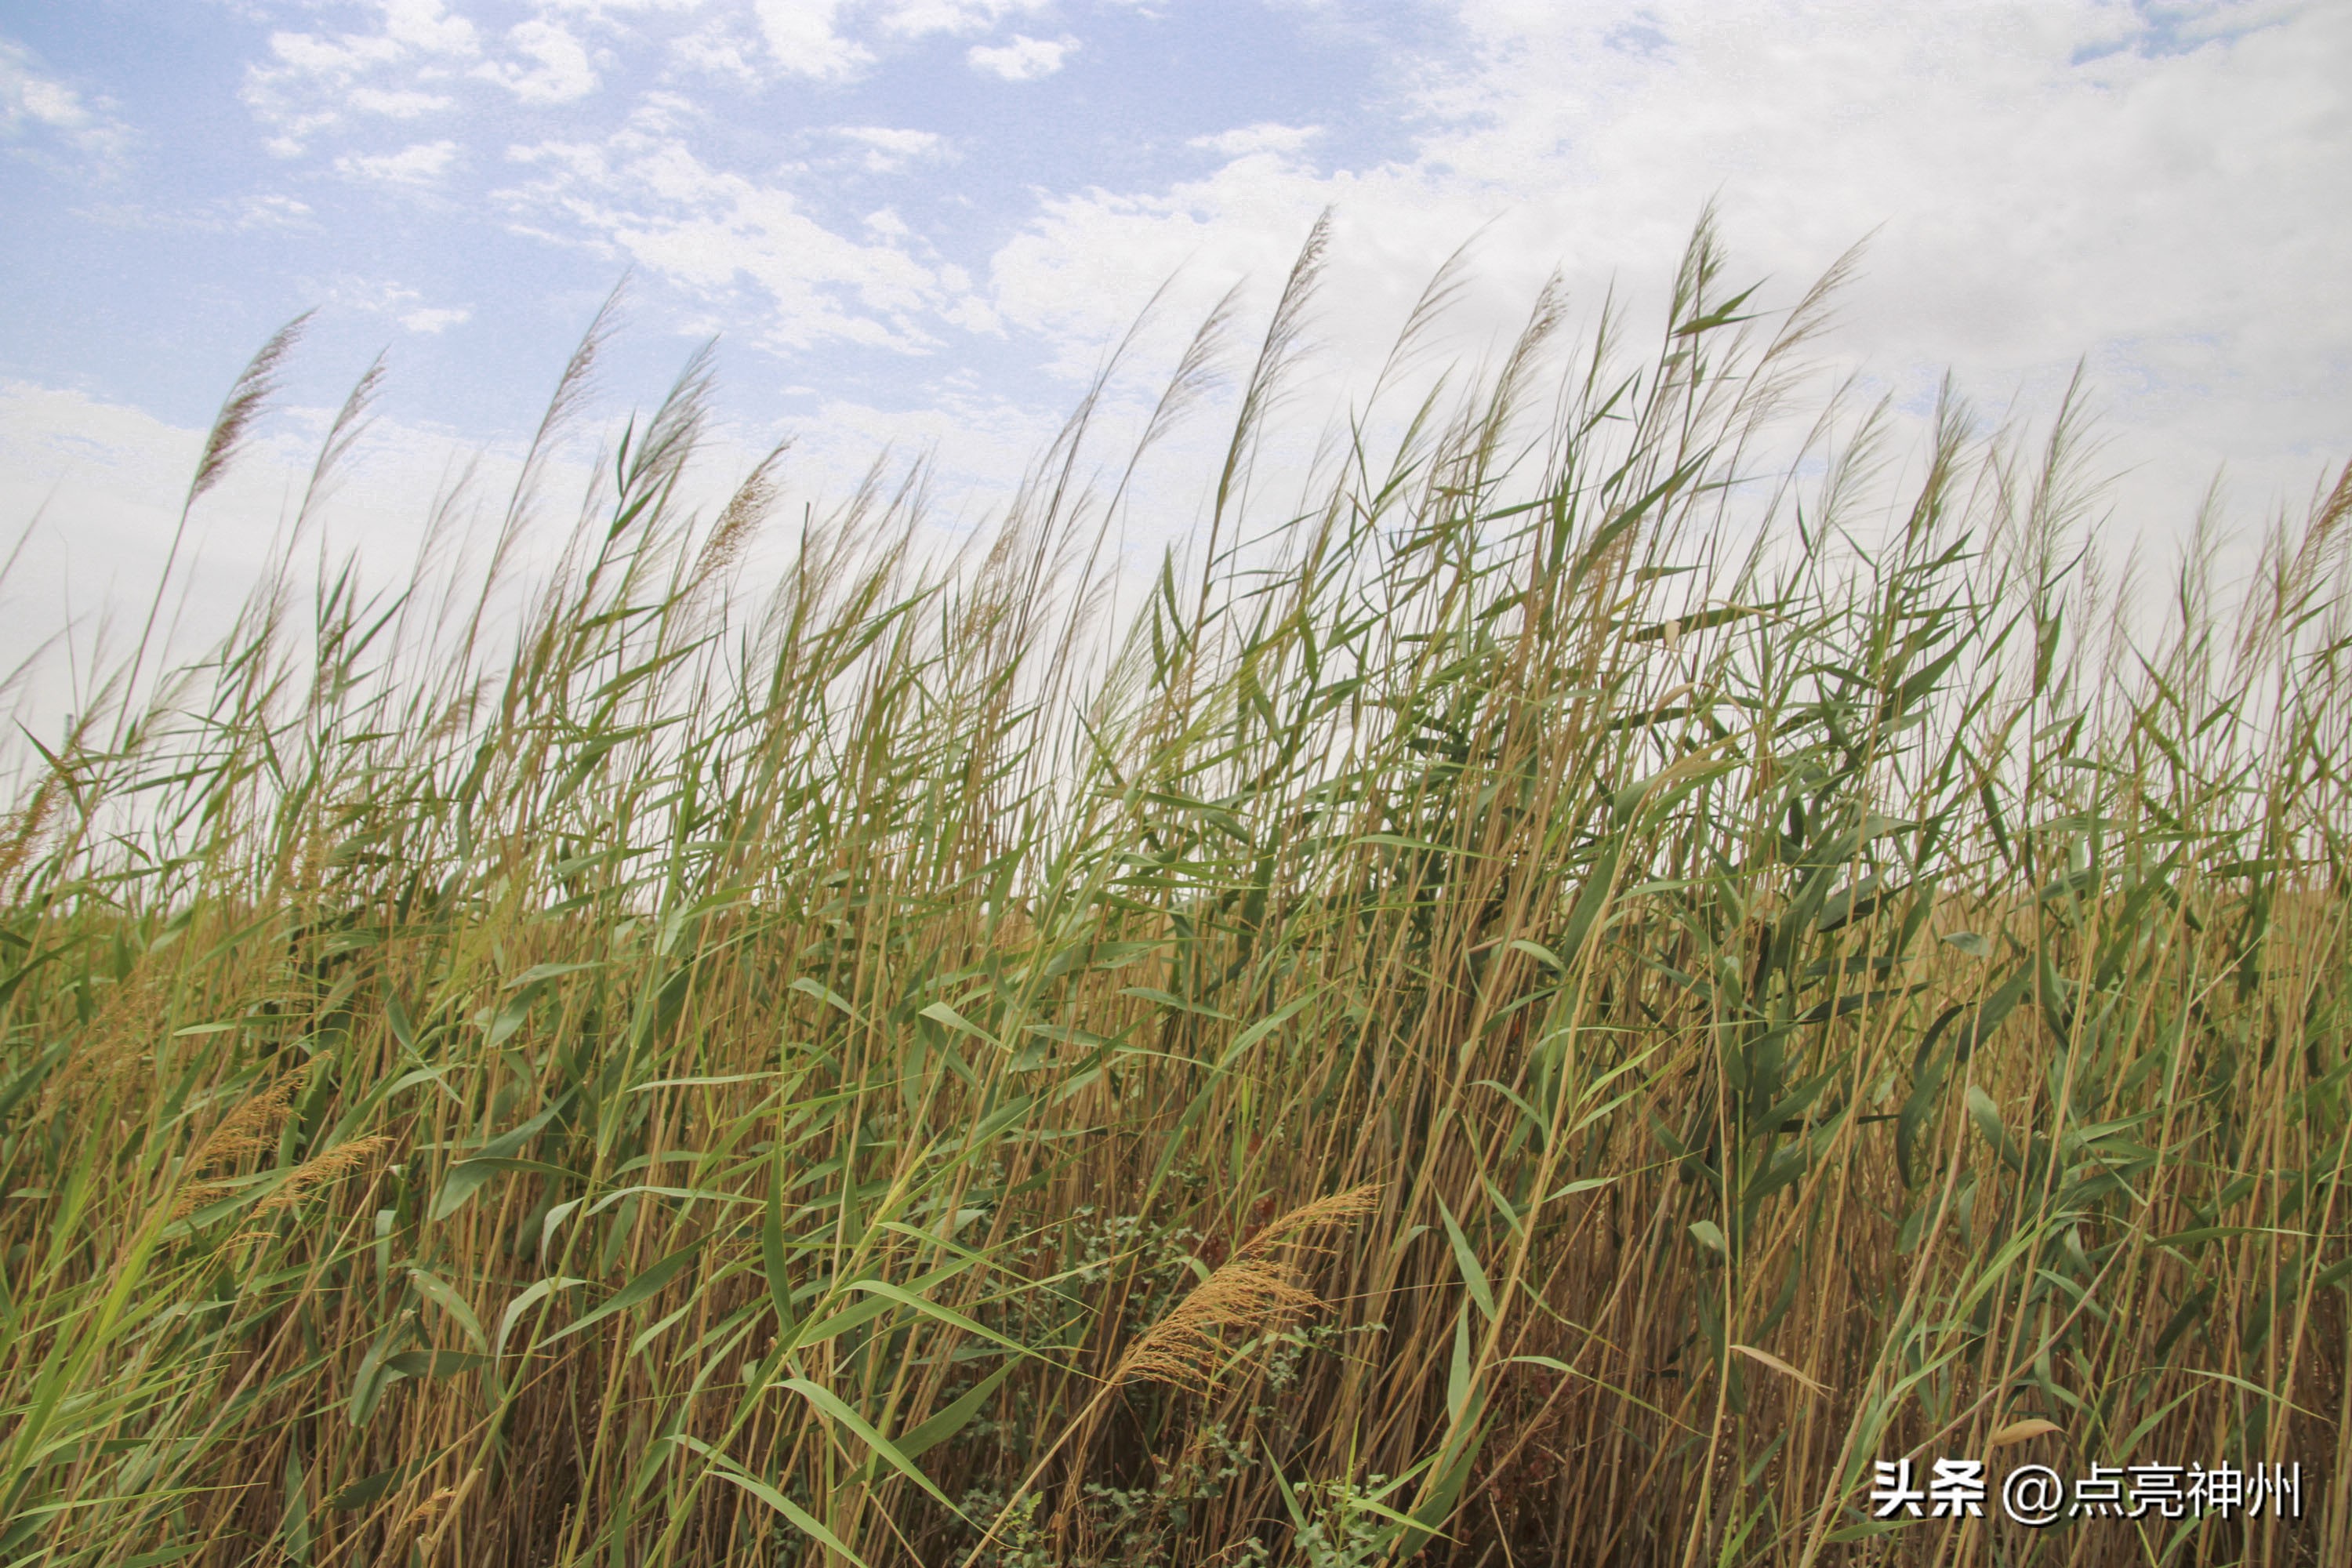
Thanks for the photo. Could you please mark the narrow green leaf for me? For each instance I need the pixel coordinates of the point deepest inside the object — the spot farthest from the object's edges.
(1474, 1276)
(726, 1470)
(438, 1290)
(644, 1288)
(826, 1401)
(936, 1429)
(772, 1255)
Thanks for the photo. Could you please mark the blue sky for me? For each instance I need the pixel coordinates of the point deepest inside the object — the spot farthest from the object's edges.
(920, 222)
(825, 186)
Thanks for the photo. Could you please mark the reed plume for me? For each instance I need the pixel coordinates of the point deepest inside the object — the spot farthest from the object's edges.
(1252, 1293)
(318, 1171)
(251, 1128)
(1192, 1344)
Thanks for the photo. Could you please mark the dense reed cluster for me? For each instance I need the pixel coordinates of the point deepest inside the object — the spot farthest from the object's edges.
(1555, 1001)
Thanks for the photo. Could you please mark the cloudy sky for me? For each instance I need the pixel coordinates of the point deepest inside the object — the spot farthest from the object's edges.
(921, 221)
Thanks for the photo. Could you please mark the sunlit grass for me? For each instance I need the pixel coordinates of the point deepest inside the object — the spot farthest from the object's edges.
(1554, 1007)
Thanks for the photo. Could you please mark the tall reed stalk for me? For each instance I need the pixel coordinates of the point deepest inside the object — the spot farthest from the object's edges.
(730, 1071)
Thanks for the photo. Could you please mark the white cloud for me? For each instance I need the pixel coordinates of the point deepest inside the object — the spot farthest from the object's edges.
(274, 212)
(2039, 196)
(32, 103)
(410, 28)
(26, 96)
(433, 319)
(2046, 179)
(309, 79)
(1267, 136)
(398, 104)
(2157, 185)
(720, 47)
(651, 199)
(663, 113)
(561, 72)
(917, 18)
(428, 25)
(397, 300)
(423, 164)
(828, 40)
(889, 149)
(1023, 59)
(801, 38)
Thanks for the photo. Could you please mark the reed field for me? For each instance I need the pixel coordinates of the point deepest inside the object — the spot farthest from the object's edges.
(1599, 955)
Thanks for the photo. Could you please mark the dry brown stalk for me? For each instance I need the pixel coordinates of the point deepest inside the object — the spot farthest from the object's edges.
(436, 1514)
(1766, 1358)
(423, 1517)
